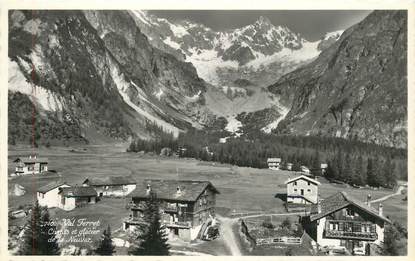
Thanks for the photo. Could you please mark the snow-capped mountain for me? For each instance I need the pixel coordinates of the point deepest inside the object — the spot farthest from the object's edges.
(260, 52)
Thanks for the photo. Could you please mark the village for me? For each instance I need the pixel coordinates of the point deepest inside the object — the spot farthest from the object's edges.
(206, 208)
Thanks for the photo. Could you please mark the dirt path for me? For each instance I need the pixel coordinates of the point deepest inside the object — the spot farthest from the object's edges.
(228, 235)
(398, 192)
(188, 253)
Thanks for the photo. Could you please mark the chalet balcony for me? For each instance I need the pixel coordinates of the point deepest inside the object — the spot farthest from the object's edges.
(342, 229)
(171, 209)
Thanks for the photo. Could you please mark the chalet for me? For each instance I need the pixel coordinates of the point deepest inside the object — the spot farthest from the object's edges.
(323, 168)
(340, 221)
(305, 170)
(30, 165)
(76, 196)
(186, 206)
(111, 186)
(48, 195)
(274, 163)
(302, 190)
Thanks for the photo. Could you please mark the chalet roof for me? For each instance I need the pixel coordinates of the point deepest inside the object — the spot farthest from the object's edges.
(31, 160)
(274, 160)
(190, 190)
(78, 191)
(303, 177)
(50, 186)
(108, 181)
(339, 201)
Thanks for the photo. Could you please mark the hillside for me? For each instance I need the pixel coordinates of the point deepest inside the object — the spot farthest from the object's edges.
(97, 71)
(356, 88)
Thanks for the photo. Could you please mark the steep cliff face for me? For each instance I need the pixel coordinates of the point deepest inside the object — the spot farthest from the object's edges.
(356, 88)
(97, 71)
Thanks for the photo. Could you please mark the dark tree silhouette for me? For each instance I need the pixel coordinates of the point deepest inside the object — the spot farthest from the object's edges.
(105, 245)
(152, 239)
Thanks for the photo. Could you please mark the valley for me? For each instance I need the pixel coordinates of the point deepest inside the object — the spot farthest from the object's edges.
(74, 164)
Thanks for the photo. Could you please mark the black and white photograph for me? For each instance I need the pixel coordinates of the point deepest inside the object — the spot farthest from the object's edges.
(207, 132)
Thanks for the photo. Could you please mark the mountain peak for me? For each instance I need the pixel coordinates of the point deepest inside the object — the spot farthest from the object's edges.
(264, 20)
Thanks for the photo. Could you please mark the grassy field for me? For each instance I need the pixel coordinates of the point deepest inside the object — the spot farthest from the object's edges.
(241, 189)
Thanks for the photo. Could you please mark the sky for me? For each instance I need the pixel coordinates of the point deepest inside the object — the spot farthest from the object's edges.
(311, 24)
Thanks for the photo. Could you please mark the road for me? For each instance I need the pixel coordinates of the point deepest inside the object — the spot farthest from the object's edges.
(398, 192)
(228, 235)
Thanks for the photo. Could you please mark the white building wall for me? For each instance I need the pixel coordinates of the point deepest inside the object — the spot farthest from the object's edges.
(50, 199)
(331, 242)
(108, 191)
(311, 195)
(69, 204)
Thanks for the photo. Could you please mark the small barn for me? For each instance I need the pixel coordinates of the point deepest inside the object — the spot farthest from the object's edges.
(111, 186)
(48, 195)
(77, 196)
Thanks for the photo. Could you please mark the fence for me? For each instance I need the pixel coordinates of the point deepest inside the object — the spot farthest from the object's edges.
(279, 240)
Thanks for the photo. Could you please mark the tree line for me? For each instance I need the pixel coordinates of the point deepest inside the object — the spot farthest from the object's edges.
(349, 161)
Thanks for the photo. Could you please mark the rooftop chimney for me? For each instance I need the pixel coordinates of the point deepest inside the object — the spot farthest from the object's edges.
(148, 189)
(178, 190)
(368, 199)
(380, 209)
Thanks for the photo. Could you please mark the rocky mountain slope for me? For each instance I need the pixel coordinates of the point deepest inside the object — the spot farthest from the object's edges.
(92, 75)
(260, 52)
(356, 88)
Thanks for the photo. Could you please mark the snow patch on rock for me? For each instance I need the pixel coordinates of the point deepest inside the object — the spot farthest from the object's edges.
(39, 95)
(171, 43)
(283, 112)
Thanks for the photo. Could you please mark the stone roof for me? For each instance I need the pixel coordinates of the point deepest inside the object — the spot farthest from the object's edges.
(50, 186)
(303, 177)
(190, 190)
(108, 181)
(78, 191)
(339, 201)
(31, 160)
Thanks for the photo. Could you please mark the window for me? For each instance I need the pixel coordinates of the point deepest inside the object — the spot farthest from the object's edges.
(302, 192)
(308, 190)
(308, 183)
(295, 190)
(295, 183)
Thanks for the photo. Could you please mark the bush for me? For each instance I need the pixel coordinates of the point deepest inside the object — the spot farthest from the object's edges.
(268, 224)
(286, 223)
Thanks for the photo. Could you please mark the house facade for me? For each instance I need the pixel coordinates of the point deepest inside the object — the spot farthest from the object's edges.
(76, 196)
(48, 195)
(302, 190)
(341, 221)
(30, 165)
(274, 163)
(186, 206)
(111, 186)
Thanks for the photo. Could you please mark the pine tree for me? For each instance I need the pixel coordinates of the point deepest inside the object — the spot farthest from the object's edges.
(152, 240)
(39, 236)
(105, 246)
(48, 241)
(370, 176)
